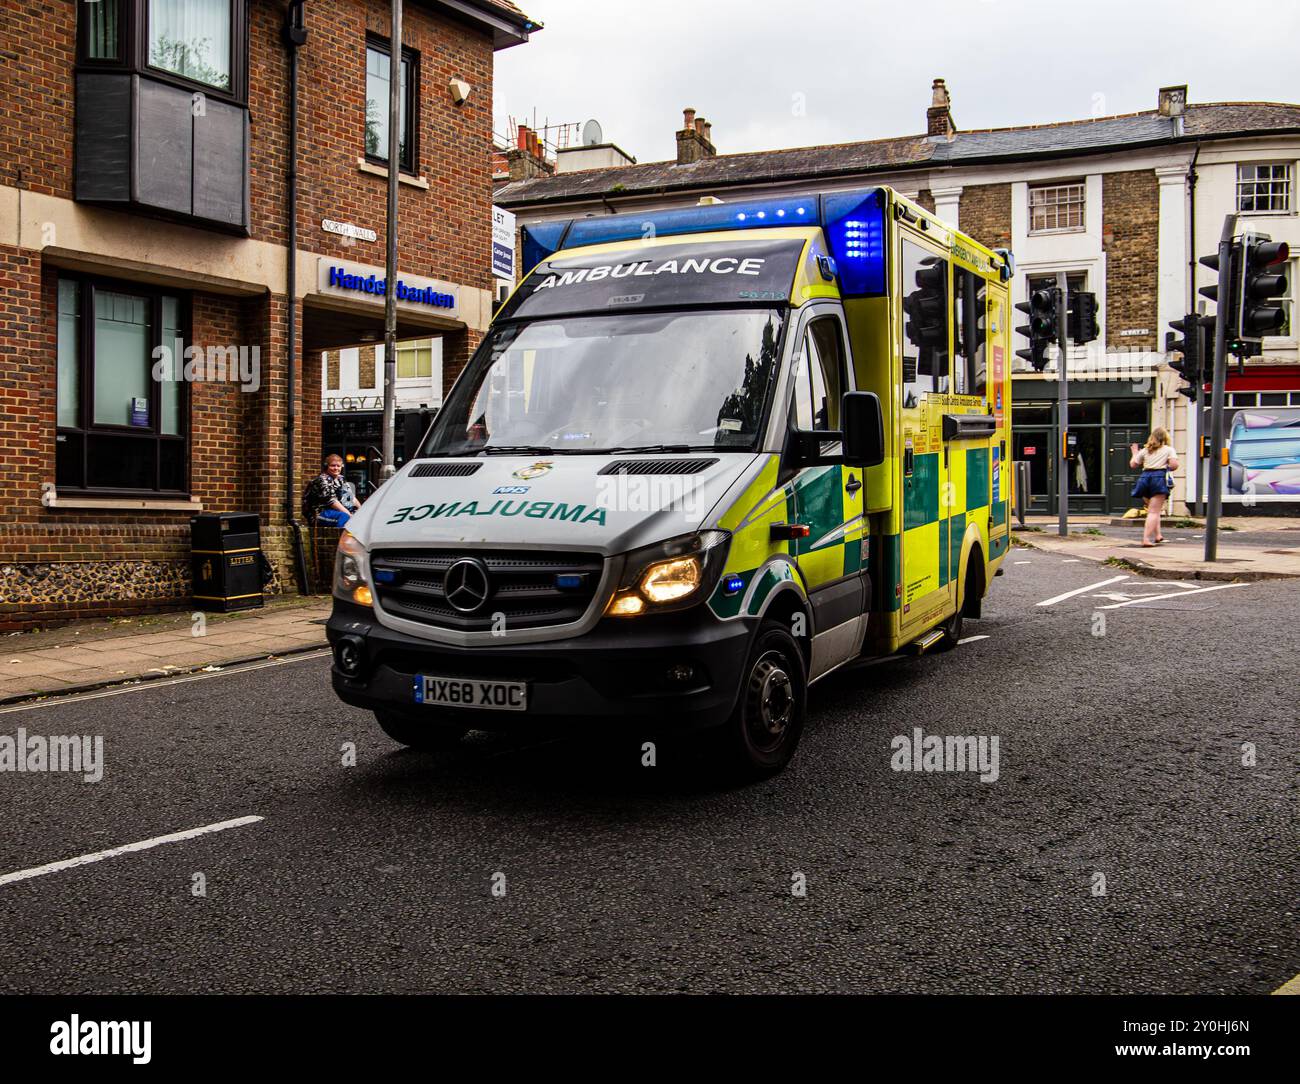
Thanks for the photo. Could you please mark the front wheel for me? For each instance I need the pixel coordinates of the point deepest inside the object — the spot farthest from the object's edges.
(428, 737)
(763, 731)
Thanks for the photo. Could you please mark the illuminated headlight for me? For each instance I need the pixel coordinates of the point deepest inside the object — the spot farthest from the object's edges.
(350, 572)
(671, 575)
(668, 581)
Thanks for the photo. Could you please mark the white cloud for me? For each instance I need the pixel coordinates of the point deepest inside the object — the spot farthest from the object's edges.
(865, 67)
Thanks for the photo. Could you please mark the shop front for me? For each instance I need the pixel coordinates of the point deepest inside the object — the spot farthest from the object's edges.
(1104, 419)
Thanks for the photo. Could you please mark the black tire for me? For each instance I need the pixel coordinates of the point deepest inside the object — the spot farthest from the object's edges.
(433, 736)
(763, 731)
(952, 628)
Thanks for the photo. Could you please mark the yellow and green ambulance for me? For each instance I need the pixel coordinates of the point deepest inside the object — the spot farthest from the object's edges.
(703, 458)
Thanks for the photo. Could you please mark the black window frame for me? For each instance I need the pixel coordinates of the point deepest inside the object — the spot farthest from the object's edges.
(411, 58)
(133, 51)
(87, 285)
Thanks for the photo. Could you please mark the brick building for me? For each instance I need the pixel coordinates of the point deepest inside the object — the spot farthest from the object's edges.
(1122, 204)
(145, 255)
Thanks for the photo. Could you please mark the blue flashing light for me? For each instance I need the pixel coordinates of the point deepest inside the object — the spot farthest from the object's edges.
(855, 231)
(568, 581)
(385, 575)
(541, 241)
(732, 584)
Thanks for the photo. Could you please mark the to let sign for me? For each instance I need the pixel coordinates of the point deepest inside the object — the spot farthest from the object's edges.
(503, 243)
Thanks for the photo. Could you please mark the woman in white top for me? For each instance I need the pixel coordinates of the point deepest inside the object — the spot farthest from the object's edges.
(1157, 460)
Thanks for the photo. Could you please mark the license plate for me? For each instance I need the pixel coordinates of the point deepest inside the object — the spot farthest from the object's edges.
(454, 692)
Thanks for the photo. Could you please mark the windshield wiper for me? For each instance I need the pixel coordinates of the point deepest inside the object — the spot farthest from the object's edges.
(530, 449)
(642, 448)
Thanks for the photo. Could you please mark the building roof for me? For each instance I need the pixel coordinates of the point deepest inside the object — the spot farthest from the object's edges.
(509, 24)
(1064, 139)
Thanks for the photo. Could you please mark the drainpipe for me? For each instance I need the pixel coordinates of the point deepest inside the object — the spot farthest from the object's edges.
(295, 35)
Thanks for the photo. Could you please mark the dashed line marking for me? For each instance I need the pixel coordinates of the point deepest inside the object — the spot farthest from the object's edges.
(971, 639)
(129, 848)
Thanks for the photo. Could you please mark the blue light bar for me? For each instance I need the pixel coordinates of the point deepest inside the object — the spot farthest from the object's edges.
(854, 224)
(855, 231)
(540, 241)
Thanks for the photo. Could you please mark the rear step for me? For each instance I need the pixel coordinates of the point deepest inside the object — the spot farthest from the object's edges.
(922, 644)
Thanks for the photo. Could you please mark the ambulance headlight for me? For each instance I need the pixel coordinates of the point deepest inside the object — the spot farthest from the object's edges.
(350, 572)
(670, 575)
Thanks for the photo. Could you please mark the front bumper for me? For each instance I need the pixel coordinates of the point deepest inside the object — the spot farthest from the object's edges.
(618, 670)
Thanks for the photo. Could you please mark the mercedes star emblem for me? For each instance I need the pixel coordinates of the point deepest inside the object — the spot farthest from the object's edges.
(466, 585)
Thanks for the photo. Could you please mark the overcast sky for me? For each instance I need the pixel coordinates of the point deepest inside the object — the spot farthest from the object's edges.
(792, 73)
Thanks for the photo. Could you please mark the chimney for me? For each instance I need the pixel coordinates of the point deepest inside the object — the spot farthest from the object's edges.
(938, 118)
(527, 159)
(1172, 101)
(694, 141)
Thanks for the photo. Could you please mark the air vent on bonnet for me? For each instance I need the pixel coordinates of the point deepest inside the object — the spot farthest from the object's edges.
(444, 470)
(657, 466)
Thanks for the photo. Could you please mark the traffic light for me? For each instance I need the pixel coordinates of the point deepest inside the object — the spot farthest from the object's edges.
(926, 307)
(1260, 315)
(1041, 329)
(1082, 319)
(1229, 308)
(1189, 365)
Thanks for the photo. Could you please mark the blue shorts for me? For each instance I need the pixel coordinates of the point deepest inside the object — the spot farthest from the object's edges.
(332, 517)
(1152, 483)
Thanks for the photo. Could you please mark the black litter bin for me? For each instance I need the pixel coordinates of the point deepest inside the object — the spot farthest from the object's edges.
(226, 555)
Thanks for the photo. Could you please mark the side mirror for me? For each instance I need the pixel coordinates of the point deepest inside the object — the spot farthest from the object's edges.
(864, 429)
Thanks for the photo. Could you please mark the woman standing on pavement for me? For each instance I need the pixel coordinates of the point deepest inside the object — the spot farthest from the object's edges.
(1157, 460)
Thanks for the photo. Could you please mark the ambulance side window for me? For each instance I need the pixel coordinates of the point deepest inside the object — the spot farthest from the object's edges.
(925, 323)
(819, 377)
(970, 323)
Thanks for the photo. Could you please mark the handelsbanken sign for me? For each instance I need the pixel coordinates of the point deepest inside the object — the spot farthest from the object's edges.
(361, 282)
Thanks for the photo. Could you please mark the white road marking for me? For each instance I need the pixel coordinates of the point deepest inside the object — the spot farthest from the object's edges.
(1069, 560)
(54, 699)
(1080, 590)
(1022, 562)
(129, 848)
(1172, 594)
(970, 639)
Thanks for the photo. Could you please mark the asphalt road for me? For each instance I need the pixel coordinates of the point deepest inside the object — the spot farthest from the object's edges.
(1120, 754)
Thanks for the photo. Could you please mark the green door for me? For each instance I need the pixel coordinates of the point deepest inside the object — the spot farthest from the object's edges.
(1119, 474)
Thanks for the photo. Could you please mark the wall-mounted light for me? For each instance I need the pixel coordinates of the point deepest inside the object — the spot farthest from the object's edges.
(459, 91)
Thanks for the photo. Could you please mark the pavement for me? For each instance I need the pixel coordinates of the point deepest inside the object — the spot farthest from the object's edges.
(1249, 547)
(92, 654)
(1139, 837)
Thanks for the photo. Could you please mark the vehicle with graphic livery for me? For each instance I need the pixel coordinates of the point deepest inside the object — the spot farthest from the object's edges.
(703, 458)
(1264, 454)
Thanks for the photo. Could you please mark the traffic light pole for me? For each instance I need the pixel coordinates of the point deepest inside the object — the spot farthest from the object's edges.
(1062, 408)
(1215, 466)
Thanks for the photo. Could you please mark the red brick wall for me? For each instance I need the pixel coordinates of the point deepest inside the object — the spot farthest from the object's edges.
(1130, 231)
(37, 44)
(237, 438)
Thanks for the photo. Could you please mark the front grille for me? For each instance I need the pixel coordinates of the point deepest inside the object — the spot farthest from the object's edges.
(531, 591)
(445, 470)
(657, 466)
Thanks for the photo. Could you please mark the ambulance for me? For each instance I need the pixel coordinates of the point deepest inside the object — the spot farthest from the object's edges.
(702, 458)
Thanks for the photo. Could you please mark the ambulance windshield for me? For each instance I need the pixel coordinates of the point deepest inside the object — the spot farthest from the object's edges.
(627, 380)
